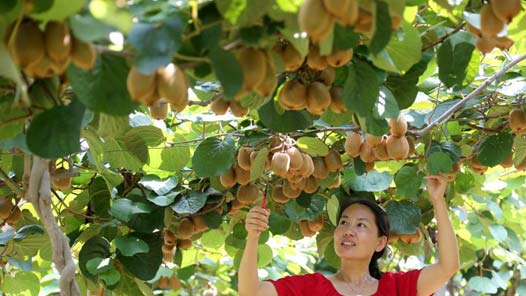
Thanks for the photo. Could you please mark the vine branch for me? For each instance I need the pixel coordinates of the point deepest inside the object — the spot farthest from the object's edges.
(444, 117)
(443, 38)
(12, 185)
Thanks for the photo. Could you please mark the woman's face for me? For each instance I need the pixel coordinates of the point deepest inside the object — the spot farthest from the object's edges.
(356, 236)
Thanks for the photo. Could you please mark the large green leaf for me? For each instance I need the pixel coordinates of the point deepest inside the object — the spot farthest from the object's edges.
(103, 89)
(453, 60)
(344, 37)
(312, 146)
(287, 121)
(100, 197)
(403, 216)
(118, 156)
(214, 156)
(373, 181)
(519, 145)
(144, 265)
(386, 105)
(306, 207)
(123, 209)
(439, 162)
(228, 71)
(130, 245)
(482, 284)
(22, 283)
(278, 223)
(361, 88)
(95, 247)
(159, 185)
(10, 127)
(494, 149)
(56, 132)
(408, 182)
(190, 203)
(382, 31)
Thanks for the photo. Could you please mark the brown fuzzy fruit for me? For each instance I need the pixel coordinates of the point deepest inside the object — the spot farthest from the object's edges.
(398, 126)
(351, 16)
(184, 244)
(517, 121)
(280, 164)
(486, 44)
(228, 179)
(316, 224)
(174, 282)
(369, 166)
(159, 110)
(243, 157)
(305, 230)
(290, 191)
(373, 140)
(337, 8)
(41, 69)
(412, 238)
(58, 41)
(172, 85)
(163, 283)
(506, 10)
(278, 196)
(293, 95)
(396, 22)
(337, 105)
(296, 159)
(333, 161)
(364, 22)
(315, 60)
(318, 98)
(352, 144)
(29, 45)
(141, 86)
(508, 162)
(477, 166)
(168, 253)
(61, 179)
(269, 83)
(455, 170)
(248, 194)
(242, 176)
(340, 57)
(5, 207)
(490, 24)
(237, 109)
(380, 151)
(315, 20)
(169, 238)
(397, 147)
(219, 106)
(336, 183)
(200, 223)
(504, 43)
(473, 30)
(308, 165)
(311, 185)
(186, 228)
(290, 55)
(320, 168)
(366, 152)
(83, 55)
(253, 63)
(521, 166)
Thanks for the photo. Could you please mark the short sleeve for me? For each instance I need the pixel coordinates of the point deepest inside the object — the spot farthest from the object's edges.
(298, 285)
(404, 283)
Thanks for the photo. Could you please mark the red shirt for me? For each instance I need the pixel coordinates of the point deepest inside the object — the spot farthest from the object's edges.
(391, 283)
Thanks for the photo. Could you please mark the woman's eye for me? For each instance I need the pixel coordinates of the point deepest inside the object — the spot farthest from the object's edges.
(343, 222)
(361, 225)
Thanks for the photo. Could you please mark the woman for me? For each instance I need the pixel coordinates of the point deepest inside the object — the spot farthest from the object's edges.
(360, 238)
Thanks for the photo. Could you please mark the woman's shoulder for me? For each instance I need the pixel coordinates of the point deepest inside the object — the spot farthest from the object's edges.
(400, 281)
(305, 284)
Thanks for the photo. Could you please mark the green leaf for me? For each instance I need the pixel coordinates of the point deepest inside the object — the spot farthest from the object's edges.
(144, 265)
(482, 284)
(361, 88)
(8, 111)
(464, 182)
(213, 219)
(103, 89)
(151, 135)
(27, 230)
(494, 149)
(278, 223)
(382, 32)
(373, 181)
(171, 159)
(519, 145)
(112, 126)
(453, 60)
(123, 209)
(287, 121)
(59, 10)
(228, 71)
(213, 239)
(408, 182)
(404, 216)
(439, 162)
(95, 247)
(344, 37)
(20, 283)
(214, 156)
(333, 207)
(156, 43)
(330, 255)
(110, 277)
(386, 105)
(129, 245)
(190, 203)
(312, 146)
(158, 185)
(258, 165)
(56, 132)
(163, 200)
(6, 236)
(118, 156)
(498, 232)
(100, 196)
(402, 51)
(265, 255)
(306, 207)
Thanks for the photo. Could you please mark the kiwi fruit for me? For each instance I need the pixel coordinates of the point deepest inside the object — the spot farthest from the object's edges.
(305, 230)
(373, 140)
(228, 179)
(269, 83)
(242, 176)
(175, 283)
(278, 196)
(366, 152)
(298, 183)
(327, 76)
(521, 166)
(280, 163)
(200, 223)
(163, 283)
(293, 95)
(254, 65)
(291, 57)
(506, 10)
(351, 16)
(184, 244)
(172, 85)
(508, 162)
(490, 24)
(336, 183)
(61, 180)
(296, 159)
(369, 166)
(412, 238)
(353, 143)
(315, 60)
(311, 185)
(340, 57)
(29, 44)
(315, 20)
(338, 8)
(248, 194)
(380, 151)
(486, 44)
(159, 110)
(83, 55)
(219, 105)
(141, 86)
(398, 126)
(318, 98)
(308, 165)
(477, 166)
(396, 22)
(316, 224)
(364, 22)
(337, 105)
(517, 121)
(58, 41)
(333, 161)
(41, 69)
(5, 207)
(397, 147)
(290, 191)
(168, 253)
(59, 66)
(169, 238)
(237, 109)
(320, 168)
(504, 43)
(186, 228)
(243, 157)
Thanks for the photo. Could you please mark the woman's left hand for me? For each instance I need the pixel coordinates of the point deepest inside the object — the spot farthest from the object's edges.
(436, 186)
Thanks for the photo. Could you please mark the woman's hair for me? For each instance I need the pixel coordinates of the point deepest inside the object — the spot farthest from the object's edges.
(382, 222)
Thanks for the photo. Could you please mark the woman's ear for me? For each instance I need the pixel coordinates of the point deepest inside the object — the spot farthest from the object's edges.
(382, 243)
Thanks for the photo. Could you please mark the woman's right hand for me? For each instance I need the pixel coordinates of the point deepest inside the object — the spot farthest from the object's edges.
(257, 221)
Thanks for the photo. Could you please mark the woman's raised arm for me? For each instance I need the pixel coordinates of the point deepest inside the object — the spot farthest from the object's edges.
(434, 276)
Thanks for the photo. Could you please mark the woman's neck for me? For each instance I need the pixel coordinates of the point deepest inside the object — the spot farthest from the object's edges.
(354, 272)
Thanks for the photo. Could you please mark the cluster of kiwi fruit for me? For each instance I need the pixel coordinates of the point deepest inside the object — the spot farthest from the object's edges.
(408, 238)
(309, 228)
(9, 213)
(169, 283)
(166, 85)
(317, 17)
(493, 18)
(259, 73)
(394, 146)
(61, 179)
(220, 106)
(48, 53)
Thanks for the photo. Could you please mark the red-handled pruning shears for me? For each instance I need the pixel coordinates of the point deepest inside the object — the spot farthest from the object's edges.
(264, 201)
